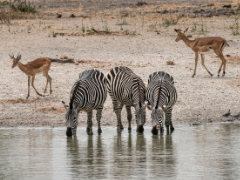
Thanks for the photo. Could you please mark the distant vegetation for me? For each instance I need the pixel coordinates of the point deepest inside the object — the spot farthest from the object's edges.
(235, 27)
(22, 6)
(16, 9)
(170, 21)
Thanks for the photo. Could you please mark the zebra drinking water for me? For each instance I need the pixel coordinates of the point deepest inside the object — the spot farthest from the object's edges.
(88, 93)
(161, 96)
(126, 88)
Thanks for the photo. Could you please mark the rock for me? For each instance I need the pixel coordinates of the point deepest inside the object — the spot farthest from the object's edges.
(72, 16)
(227, 6)
(59, 15)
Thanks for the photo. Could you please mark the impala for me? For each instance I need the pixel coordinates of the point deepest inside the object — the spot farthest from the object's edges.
(203, 45)
(40, 65)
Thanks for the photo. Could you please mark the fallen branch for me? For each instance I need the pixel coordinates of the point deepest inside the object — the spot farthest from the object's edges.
(65, 60)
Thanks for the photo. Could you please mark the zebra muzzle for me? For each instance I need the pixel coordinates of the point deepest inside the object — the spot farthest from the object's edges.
(140, 129)
(69, 132)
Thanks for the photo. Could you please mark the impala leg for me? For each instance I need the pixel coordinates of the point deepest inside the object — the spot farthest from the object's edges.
(218, 53)
(29, 79)
(99, 116)
(33, 78)
(223, 63)
(203, 64)
(45, 89)
(89, 123)
(129, 117)
(50, 82)
(195, 67)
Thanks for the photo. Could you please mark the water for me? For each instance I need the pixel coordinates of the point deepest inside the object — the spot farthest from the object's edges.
(203, 152)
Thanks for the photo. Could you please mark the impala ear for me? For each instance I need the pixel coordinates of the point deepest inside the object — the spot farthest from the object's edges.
(11, 56)
(65, 106)
(177, 30)
(185, 30)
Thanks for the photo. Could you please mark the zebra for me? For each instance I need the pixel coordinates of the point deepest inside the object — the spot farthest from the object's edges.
(88, 93)
(126, 88)
(161, 95)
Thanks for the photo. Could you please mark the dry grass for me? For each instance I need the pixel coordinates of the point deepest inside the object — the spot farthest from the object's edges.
(17, 101)
(110, 64)
(233, 59)
(94, 32)
(170, 63)
(52, 109)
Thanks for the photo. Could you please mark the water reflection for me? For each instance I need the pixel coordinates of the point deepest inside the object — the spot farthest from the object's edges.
(89, 161)
(163, 157)
(203, 152)
(122, 156)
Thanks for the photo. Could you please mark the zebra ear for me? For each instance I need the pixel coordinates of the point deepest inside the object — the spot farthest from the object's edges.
(146, 104)
(65, 106)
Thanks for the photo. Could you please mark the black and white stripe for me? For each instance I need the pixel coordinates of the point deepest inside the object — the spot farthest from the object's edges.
(126, 88)
(161, 96)
(88, 93)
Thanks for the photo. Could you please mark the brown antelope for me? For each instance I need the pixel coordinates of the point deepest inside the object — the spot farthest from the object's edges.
(203, 45)
(40, 65)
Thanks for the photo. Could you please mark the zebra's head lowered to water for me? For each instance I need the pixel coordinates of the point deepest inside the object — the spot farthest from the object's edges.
(157, 116)
(71, 120)
(140, 115)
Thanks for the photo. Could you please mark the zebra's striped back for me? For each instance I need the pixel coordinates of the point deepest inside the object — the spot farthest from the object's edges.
(156, 76)
(88, 93)
(161, 96)
(126, 88)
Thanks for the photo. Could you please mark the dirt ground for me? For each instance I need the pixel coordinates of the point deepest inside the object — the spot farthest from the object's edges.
(133, 37)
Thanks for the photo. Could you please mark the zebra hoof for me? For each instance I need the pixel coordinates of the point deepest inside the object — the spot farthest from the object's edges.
(154, 130)
(161, 130)
(119, 130)
(140, 129)
(172, 129)
(99, 131)
(89, 131)
(69, 132)
(129, 129)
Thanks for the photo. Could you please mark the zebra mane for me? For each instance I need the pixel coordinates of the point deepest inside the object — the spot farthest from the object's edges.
(88, 74)
(73, 92)
(160, 75)
(139, 92)
(121, 68)
(159, 92)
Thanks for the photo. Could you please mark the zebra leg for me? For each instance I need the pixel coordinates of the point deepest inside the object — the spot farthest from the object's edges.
(168, 120)
(161, 129)
(119, 121)
(117, 109)
(129, 117)
(99, 116)
(89, 123)
(154, 130)
(29, 79)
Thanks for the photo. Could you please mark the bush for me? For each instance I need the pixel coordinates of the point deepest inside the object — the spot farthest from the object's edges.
(23, 6)
(169, 22)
